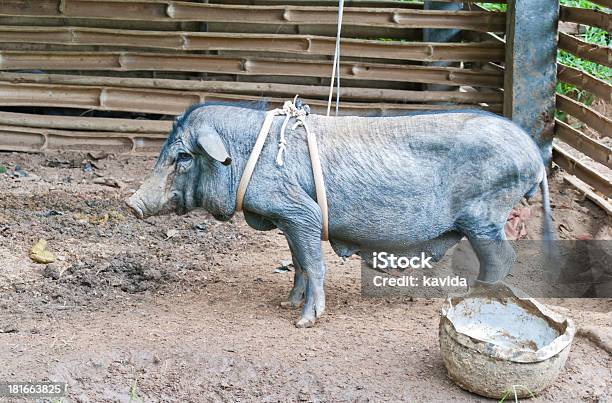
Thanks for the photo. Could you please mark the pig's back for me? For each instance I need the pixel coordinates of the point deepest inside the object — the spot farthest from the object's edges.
(418, 169)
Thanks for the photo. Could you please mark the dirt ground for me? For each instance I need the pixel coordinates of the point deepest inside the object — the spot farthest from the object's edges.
(187, 309)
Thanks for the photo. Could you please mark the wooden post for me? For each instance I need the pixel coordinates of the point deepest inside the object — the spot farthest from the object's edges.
(531, 68)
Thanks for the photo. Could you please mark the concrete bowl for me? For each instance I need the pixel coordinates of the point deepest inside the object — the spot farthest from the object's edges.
(498, 345)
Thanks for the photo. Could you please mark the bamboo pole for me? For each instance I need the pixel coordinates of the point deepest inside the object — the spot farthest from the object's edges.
(300, 44)
(585, 81)
(29, 139)
(593, 119)
(171, 102)
(602, 202)
(594, 18)
(261, 89)
(350, 3)
(603, 3)
(581, 142)
(159, 10)
(584, 173)
(85, 123)
(585, 50)
(244, 65)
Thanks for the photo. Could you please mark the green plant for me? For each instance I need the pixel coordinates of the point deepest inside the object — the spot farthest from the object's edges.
(598, 37)
(134, 398)
(512, 391)
(581, 4)
(493, 6)
(575, 93)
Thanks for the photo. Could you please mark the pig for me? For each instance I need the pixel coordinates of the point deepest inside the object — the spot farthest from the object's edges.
(419, 182)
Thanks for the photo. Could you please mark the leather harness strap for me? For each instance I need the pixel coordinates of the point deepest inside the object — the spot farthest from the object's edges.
(291, 109)
(317, 172)
(252, 161)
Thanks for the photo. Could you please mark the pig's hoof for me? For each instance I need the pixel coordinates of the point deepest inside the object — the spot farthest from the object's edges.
(304, 322)
(291, 304)
(319, 308)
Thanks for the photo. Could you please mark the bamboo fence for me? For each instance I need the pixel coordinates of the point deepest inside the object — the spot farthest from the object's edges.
(75, 74)
(588, 148)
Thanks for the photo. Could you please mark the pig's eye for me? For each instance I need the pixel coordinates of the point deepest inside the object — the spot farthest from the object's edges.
(183, 157)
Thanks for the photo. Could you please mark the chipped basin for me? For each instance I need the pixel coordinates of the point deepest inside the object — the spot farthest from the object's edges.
(496, 344)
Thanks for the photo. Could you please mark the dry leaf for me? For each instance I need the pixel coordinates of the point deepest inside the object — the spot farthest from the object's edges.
(114, 183)
(40, 254)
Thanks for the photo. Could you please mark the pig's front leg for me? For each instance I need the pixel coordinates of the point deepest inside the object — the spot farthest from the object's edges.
(302, 227)
(310, 258)
(299, 217)
(296, 295)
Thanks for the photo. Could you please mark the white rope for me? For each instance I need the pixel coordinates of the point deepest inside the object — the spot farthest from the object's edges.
(282, 143)
(290, 110)
(336, 67)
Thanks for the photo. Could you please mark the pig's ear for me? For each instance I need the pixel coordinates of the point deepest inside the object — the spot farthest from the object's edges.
(211, 143)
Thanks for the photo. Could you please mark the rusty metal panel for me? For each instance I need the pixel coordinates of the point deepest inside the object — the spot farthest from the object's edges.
(531, 68)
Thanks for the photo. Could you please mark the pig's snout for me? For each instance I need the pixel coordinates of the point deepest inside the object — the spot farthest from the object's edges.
(135, 204)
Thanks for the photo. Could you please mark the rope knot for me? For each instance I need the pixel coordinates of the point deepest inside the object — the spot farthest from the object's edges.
(291, 109)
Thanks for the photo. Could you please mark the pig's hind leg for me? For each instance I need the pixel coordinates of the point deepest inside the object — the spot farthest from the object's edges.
(495, 254)
(488, 239)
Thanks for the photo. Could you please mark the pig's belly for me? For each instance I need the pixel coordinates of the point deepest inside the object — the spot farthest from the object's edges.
(393, 227)
(435, 247)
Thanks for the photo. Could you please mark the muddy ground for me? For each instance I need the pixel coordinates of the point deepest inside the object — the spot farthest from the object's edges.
(187, 309)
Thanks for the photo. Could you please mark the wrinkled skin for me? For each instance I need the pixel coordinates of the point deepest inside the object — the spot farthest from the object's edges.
(401, 185)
